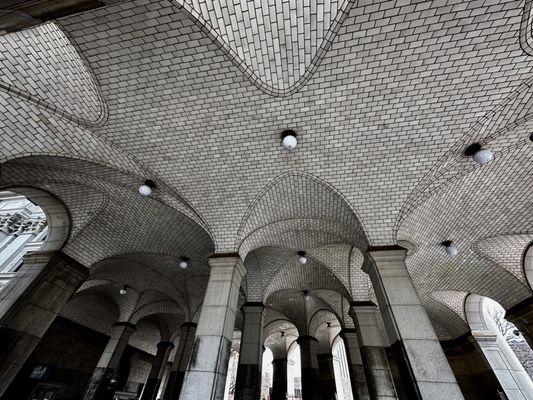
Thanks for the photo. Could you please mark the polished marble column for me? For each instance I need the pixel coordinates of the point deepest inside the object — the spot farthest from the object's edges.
(309, 363)
(206, 373)
(376, 367)
(279, 379)
(328, 390)
(425, 371)
(29, 304)
(355, 361)
(181, 359)
(102, 383)
(248, 383)
(156, 372)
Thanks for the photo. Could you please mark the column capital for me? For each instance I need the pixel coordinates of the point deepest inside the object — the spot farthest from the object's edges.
(165, 345)
(56, 257)
(306, 338)
(387, 253)
(125, 325)
(356, 304)
(251, 306)
(348, 331)
(188, 324)
(227, 259)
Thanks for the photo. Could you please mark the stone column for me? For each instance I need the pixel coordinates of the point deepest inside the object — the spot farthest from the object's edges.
(328, 391)
(29, 304)
(376, 366)
(102, 383)
(139, 371)
(248, 383)
(206, 374)
(521, 315)
(156, 372)
(279, 379)
(355, 361)
(309, 362)
(471, 369)
(422, 363)
(181, 359)
(511, 375)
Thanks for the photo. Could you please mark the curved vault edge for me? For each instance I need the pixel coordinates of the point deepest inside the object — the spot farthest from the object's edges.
(271, 90)
(37, 101)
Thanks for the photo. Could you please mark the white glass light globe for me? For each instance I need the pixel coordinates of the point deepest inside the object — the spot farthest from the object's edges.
(451, 250)
(145, 190)
(123, 291)
(290, 142)
(183, 264)
(483, 156)
(302, 260)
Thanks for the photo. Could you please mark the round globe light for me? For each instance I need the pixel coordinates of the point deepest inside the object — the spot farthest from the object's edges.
(183, 264)
(145, 190)
(451, 250)
(483, 156)
(289, 140)
(123, 291)
(302, 259)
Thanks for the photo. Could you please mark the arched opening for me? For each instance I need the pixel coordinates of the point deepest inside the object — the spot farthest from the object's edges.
(30, 220)
(341, 370)
(233, 363)
(528, 264)
(493, 334)
(267, 373)
(23, 228)
(294, 372)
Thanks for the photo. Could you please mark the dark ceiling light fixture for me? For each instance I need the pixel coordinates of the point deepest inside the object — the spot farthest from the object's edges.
(305, 294)
(147, 188)
(289, 139)
(184, 262)
(450, 248)
(479, 154)
(302, 258)
(282, 334)
(328, 325)
(123, 290)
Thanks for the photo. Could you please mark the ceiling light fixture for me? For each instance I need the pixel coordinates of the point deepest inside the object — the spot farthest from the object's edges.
(147, 188)
(282, 334)
(305, 293)
(184, 262)
(123, 290)
(479, 155)
(451, 249)
(302, 259)
(328, 325)
(288, 139)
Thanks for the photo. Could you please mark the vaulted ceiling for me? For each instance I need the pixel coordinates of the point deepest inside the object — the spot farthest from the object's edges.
(384, 97)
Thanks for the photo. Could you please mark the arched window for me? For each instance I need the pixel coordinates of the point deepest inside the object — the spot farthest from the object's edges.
(294, 372)
(340, 369)
(267, 373)
(23, 228)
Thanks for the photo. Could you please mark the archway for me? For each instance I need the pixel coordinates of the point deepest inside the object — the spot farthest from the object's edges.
(485, 318)
(294, 372)
(341, 370)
